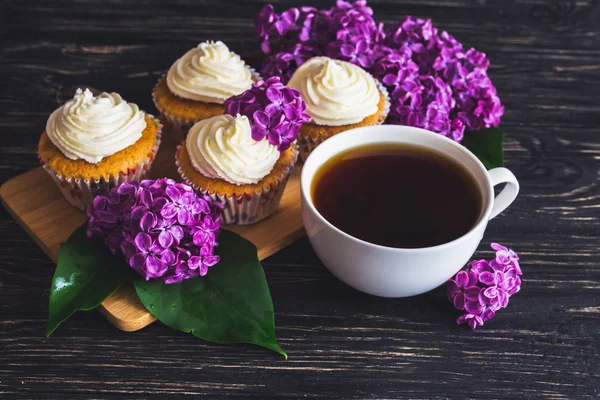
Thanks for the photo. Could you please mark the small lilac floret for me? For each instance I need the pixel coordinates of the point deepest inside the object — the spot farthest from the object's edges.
(164, 229)
(275, 111)
(484, 286)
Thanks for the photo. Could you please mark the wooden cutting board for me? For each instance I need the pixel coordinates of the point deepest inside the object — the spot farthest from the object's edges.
(38, 206)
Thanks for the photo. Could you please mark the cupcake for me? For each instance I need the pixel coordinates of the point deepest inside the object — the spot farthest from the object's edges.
(93, 143)
(198, 84)
(339, 96)
(244, 158)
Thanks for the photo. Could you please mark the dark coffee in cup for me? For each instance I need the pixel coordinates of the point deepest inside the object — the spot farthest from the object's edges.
(397, 195)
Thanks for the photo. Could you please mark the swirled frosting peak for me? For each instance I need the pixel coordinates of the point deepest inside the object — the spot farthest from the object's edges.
(92, 127)
(209, 73)
(336, 92)
(222, 147)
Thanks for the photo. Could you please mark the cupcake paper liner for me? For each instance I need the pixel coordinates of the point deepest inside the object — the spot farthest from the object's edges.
(308, 143)
(80, 193)
(178, 127)
(246, 209)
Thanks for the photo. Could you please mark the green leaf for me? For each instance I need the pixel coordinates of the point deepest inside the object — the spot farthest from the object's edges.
(487, 145)
(86, 274)
(231, 304)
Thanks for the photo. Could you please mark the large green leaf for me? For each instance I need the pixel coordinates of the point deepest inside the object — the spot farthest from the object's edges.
(231, 304)
(487, 145)
(86, 274)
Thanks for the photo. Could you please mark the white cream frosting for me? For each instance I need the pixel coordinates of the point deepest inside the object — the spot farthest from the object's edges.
(92, 127)
(336, 92)
(222, 147)
(209, 73)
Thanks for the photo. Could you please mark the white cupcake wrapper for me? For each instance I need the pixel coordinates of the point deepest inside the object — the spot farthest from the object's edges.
(178, 127)
(80, 193)
(246, 210)
(308, 143)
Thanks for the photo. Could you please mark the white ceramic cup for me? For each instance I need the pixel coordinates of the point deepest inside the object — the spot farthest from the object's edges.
(396, 272)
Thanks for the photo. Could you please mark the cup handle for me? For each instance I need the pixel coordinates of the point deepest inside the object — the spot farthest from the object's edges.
(508, 194)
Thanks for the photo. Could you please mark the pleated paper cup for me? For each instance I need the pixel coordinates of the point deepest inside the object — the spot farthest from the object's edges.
(245, 209)
(80, 192)
(307, 143)
(177, 126)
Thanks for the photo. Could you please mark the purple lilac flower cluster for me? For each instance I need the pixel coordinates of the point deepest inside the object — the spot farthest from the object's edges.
(485, 286)
(434, 82)
(165, 230)
(275, 111)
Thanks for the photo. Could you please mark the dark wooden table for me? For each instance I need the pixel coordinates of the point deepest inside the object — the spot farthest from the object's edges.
(342, 344)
